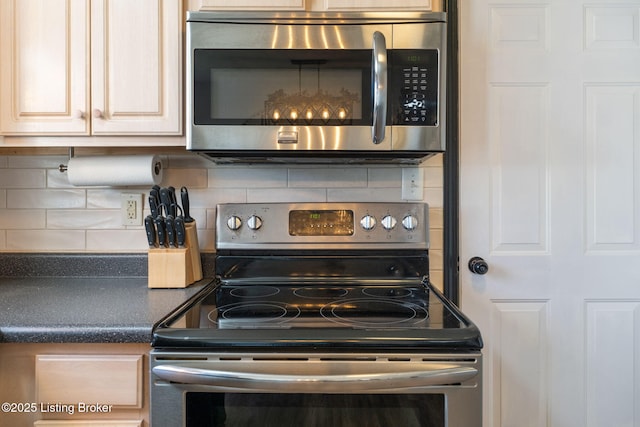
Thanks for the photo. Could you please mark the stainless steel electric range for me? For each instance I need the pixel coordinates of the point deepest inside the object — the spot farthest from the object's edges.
(320, 314)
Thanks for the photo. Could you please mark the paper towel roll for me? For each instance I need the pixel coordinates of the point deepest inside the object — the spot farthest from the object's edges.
(115, 171)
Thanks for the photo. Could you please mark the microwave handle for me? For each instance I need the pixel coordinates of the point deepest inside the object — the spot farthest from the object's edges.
(327, 383)
(379, 71)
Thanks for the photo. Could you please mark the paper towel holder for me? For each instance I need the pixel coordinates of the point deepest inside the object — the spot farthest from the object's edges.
(63, 168)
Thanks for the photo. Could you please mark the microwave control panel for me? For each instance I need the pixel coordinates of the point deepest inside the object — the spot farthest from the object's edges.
(414, 85)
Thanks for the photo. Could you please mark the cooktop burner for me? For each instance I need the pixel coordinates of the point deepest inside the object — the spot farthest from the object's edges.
(324, 306)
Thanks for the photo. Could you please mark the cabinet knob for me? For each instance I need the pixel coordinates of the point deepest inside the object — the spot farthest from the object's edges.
(80, 115)
(478, 266)
(98, 114)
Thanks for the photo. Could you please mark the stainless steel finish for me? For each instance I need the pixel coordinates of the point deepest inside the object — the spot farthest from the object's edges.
(379, 87)
(234, 223)
(458, 377)
(318, 144)
(368, 222)
(254, 222)
(410, 222)
(389, 222)
(288, 137)
(274, 232)
(362, 377)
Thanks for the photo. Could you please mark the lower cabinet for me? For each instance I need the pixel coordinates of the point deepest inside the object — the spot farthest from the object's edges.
(75, 385)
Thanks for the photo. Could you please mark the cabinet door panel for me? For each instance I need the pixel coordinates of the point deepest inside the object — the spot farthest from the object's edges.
(43, 66)
(136, 66)
(376, 4)
(109, 380)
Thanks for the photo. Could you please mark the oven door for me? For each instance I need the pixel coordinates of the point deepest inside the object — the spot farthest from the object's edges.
(270, 389)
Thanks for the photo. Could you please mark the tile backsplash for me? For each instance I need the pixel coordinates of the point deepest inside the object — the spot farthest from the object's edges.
(41, 212)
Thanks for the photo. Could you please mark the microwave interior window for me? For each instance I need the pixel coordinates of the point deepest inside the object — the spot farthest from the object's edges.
(282, 87)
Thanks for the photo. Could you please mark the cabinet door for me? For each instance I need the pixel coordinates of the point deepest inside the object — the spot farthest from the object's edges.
(43, 66)
(136, 67)
(368, 5)
(249, 5)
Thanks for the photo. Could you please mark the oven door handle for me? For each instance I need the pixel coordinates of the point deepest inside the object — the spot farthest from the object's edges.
(379, 72)
(341, 383)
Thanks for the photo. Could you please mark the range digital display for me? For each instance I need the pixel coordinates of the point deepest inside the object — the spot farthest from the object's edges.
(321, 222)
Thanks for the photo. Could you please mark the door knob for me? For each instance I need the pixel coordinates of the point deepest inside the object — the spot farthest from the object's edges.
(478, 266)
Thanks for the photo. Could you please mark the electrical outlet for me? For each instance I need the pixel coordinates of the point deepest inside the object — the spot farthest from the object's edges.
(412, 183)
(131, 208)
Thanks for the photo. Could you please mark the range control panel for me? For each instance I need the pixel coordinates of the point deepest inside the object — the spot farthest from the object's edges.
(322, 226)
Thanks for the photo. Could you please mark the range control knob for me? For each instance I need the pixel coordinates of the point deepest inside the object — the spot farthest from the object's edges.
(234, 223)
(389, 222)
(254, 222)
(410, 222)
(368, 222)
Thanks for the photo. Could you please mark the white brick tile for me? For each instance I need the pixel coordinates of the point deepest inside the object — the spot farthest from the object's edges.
(117, 241)
(45, 240)
(83, 219)
(385, 177)
(39, 199)
(105, 199)
(247, 177)
(57, 179)
(436, 218)
(286, 195)
(433, 177)
(209, 198)
(328, 177)
(364, 195)
(13, 219)
(435, 239)
(433, 196)
(4, 160)
(191, 178)
(3, 240)
(22, 178)
(40, 162)
(3, 199)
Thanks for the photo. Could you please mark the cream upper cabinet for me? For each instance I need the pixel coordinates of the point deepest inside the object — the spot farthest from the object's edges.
(80, 67)
(313, 5)
(44, 76)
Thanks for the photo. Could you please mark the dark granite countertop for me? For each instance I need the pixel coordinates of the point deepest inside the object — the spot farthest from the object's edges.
(83, 308)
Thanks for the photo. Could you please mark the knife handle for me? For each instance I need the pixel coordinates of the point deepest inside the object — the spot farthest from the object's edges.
(165, 199)
(180, 232)
(171, 230)
(160, 229)
(184, 195)
(151, 231)
(153, 206)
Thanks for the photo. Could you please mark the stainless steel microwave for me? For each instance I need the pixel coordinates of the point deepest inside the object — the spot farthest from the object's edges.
(316, 87)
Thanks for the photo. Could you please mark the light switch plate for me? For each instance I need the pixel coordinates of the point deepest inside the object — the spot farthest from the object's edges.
(412, 184)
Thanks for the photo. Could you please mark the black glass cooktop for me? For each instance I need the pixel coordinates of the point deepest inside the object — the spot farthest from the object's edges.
(319, 314)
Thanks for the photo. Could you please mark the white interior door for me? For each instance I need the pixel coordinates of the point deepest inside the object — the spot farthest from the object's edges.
(550, 198)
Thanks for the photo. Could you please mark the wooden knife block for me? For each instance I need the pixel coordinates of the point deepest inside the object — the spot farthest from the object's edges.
(176, 267)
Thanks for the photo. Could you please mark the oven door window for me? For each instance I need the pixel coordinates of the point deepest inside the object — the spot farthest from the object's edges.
(282, 87)
(320, 410)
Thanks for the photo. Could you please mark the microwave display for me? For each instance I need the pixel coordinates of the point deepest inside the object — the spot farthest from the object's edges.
(311, 87)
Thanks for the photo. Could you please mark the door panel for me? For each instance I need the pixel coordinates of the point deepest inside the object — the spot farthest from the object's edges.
(550, 198)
